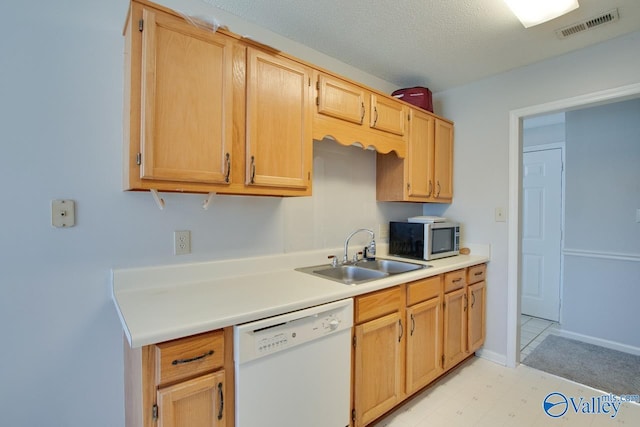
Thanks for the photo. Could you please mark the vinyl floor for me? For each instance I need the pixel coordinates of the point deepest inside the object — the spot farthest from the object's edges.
(482, 393)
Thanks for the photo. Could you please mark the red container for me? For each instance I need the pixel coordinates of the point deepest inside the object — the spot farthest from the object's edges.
(418, 96)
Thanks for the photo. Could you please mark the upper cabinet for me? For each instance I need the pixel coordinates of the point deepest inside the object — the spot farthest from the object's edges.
(180, 102)
(340, 99)
(207, 112)
(443, 161)
(350, 113)
(387, 115)
(279, 144)
(426, 175)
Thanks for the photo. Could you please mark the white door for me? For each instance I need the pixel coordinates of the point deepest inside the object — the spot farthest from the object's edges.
(541, 233)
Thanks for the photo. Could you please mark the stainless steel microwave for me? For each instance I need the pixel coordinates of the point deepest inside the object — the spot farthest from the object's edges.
(426, 241)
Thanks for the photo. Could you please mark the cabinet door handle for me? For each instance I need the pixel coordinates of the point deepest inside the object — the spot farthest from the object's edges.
(401, 330)
(473, 298)
(430, 188)
(253, 169)
(438, 192)
(192, 359)
(375, 115)
(228, 160)
(466, 302)
(362, 111)
(221, 397)
(413, 324)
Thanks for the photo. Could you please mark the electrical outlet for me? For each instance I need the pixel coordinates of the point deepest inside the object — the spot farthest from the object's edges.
(500, 215)
(182, 242)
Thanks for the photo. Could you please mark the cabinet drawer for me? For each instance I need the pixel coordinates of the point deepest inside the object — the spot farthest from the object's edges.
(423, 290)
(186, 357)
(476, 273)
(454, 280)
(377, 304)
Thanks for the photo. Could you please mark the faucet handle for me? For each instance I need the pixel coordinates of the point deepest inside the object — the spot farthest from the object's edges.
(370, 250)
(334, 260)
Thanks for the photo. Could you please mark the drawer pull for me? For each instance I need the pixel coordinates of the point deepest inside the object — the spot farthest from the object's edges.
(478, 273)
(456, 280)
(221, 408)
(193, 359)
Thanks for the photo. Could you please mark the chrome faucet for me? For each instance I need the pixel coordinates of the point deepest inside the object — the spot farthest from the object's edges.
(371, 247)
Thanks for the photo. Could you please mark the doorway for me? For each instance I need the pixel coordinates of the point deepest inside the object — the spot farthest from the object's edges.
(515, 201)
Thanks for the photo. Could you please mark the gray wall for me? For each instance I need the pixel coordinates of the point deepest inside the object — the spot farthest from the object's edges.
(480, 111)
(61, 92)
(602, 194)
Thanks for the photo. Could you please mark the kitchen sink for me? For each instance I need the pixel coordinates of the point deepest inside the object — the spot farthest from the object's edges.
(362, 271)
(351, 273)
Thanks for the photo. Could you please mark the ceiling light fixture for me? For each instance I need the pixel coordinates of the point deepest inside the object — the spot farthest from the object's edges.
(534, 12)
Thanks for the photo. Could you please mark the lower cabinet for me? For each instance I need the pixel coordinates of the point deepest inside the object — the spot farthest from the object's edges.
(476, 296)
(407, 336)
(455, 318)
(187, 382)
(424, 336)
(378, 361)
(195, 403)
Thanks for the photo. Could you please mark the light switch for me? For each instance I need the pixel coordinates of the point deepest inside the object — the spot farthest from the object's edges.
(500, 215)
(63, 213)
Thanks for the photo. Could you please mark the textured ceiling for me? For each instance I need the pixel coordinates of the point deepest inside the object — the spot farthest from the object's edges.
(435, 43)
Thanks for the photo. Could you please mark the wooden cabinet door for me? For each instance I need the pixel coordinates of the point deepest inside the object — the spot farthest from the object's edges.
(195, 403)
(186, 102)
(477, 321)
(443, 167)
(279, 140)
(378, 367)
(339, 99)
(387, 115)
(424, 344)
(455, 327)
(420, 155)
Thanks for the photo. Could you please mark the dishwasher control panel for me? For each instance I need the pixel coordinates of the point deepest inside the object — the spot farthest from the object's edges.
(267, 336)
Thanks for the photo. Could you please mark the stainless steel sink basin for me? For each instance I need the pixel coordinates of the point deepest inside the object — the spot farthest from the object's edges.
(362, 271)
(351, 273)
(390, 266)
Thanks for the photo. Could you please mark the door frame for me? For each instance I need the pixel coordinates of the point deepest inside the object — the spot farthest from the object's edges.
(514, 244)
(547, 147)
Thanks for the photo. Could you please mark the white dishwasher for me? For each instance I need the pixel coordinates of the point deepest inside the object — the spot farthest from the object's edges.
(294, 370)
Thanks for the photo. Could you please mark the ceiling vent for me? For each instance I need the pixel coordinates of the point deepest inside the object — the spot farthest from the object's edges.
(588, 24)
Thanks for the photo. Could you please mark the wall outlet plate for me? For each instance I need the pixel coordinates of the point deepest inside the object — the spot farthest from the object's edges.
(63, 213)
(182, 242)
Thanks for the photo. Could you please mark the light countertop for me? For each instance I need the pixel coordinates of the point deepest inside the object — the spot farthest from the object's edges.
(161, 303)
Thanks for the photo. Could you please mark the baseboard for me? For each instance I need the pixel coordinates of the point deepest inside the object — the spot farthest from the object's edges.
(598, 341)
(491, 356)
